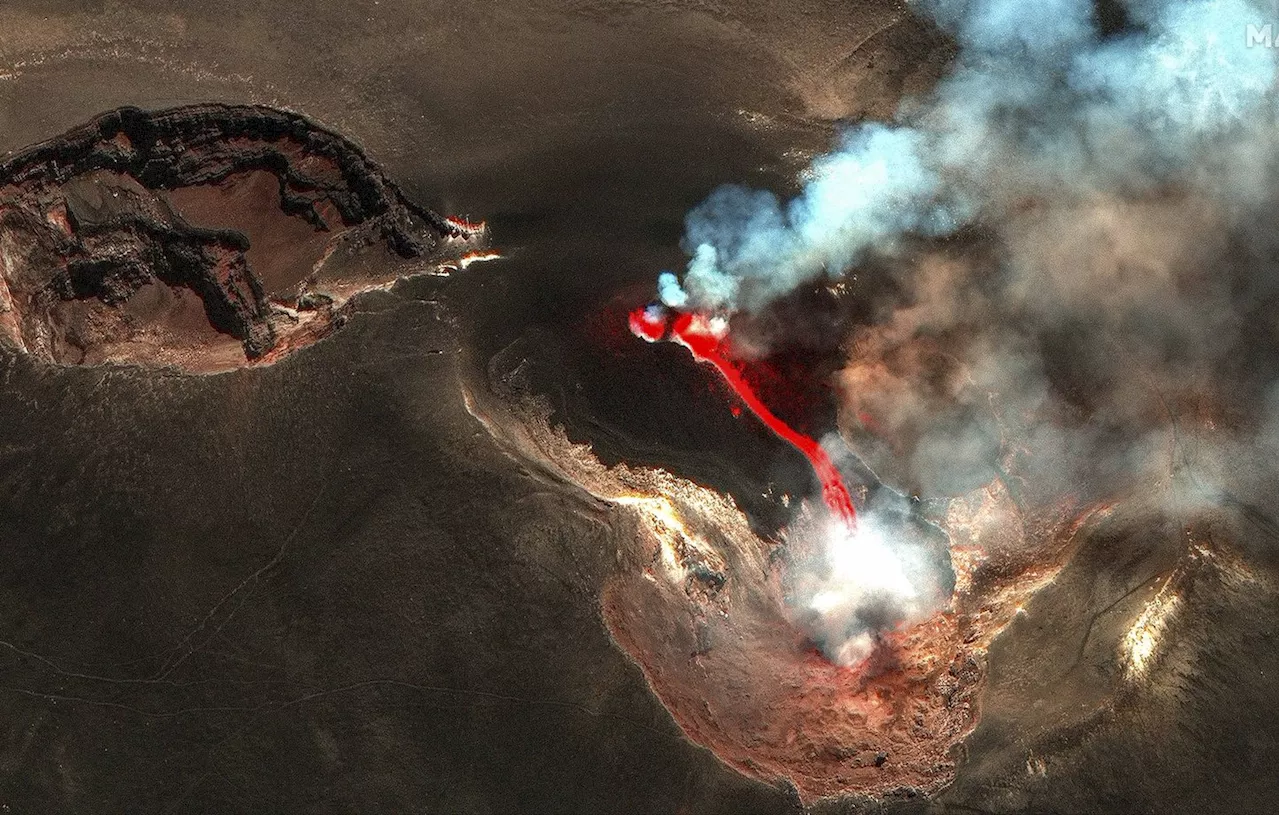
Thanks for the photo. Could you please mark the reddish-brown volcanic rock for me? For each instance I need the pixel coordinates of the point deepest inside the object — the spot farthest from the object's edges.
(207, 237)
(698, 602)
(742, 681)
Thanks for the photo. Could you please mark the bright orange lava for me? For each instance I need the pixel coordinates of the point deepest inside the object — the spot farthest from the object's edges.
(695, 332)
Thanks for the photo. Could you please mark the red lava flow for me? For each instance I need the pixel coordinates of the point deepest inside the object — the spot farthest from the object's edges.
(695, 332)
(726, 659)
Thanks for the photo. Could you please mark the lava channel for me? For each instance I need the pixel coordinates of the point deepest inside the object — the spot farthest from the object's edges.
(705, 340)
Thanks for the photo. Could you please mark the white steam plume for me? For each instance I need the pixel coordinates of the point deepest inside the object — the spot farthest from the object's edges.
(1038, 105)
(1105, 330)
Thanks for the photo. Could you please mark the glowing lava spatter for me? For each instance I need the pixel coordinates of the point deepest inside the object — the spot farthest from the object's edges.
(705, 341)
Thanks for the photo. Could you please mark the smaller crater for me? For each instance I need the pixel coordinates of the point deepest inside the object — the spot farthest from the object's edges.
(206, 237)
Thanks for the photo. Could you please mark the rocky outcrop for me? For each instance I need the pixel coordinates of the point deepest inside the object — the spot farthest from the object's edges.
(207, 237)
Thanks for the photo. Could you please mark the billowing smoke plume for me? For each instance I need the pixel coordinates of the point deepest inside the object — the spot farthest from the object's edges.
(1039, 105)
(1102, 318)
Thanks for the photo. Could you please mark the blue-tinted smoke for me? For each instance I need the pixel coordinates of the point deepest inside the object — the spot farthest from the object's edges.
(1039, 106)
